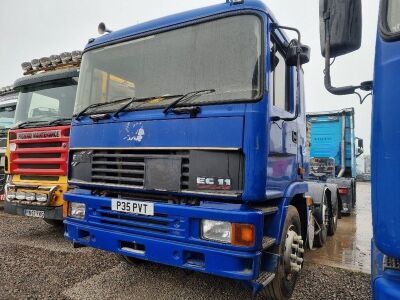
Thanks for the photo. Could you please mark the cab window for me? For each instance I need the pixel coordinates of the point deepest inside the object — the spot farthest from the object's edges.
(279, 79)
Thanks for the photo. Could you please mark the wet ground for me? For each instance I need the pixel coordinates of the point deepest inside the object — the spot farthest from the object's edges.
(350, 247)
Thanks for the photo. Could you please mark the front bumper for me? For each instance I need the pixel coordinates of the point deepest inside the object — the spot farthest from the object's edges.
(171, 237)
(385, 282)
(50, 212)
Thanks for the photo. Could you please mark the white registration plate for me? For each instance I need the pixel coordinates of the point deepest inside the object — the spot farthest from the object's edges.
(34, 213)
(2, 161)
(133, 207)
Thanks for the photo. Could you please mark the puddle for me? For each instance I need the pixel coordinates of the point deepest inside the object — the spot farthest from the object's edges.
(350, 248)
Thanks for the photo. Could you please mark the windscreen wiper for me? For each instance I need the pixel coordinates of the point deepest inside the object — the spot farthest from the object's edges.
(187, 97)
(24, 124)
(80, 114)
(133, 100)
(59, 121)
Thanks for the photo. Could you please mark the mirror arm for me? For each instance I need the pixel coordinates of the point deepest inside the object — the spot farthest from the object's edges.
(344, 90)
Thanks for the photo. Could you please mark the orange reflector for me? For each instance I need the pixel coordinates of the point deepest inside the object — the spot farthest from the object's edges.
(65, 209)
(243, 234)
(309, 201)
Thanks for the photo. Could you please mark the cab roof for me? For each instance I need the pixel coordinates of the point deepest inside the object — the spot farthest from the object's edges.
(176, 20)
(46, 77)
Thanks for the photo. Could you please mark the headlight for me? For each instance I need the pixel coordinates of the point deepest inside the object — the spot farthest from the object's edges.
(11, 195)
(77, 210)
(20, 195)
(41, 197)
(237, 234)
(30, 196)
(216, 231)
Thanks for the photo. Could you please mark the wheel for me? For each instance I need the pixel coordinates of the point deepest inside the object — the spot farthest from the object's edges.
(130, 260)
(354, 194)
(333, 219)
(291, 251)
(55, 223)
(322, 217)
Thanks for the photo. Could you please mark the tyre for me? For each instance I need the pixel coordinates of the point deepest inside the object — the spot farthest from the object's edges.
(130, 260)
(291, 244)
(322, 217)
(55, 223)
(354, 194)
(333, 219)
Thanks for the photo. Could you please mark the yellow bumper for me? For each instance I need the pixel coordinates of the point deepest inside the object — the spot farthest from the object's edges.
(53, 189)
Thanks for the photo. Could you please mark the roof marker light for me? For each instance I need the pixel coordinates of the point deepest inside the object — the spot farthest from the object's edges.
(35, 63)
(235, 1)
(55, 59)
(76, 55)
(45, 62)
(26, 66)
(66, 57)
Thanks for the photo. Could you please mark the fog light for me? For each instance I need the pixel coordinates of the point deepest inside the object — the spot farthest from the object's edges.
(30, 196)
(216, 231)
(20, 195)
(76, 210)
(41, 197)
(11, 195)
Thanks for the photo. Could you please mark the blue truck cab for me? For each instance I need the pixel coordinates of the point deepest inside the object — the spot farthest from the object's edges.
(341, 24)
(334, 149)
(187, 146)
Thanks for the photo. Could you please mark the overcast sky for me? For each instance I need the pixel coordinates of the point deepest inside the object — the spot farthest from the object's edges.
(32, 29)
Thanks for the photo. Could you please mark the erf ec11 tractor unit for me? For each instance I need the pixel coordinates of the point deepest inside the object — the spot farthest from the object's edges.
(341, 24)
(8, 103)
(334, 149)
(37, 149)
(187, 147)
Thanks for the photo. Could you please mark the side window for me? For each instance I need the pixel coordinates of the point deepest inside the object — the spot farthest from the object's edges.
(279, 80)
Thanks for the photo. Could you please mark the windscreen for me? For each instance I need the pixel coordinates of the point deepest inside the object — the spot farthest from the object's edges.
(45, 103)
(8, 105)
(393, 16)
(223, 55)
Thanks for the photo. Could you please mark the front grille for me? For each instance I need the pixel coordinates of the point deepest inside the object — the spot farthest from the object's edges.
(127, 167)
(391, 263)
(38, 154)
(159, 223)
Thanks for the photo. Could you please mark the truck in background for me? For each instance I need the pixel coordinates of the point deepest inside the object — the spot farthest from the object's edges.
(8, 103)
(37, 148)
(341, 31)
(193, 144)
(334, 151)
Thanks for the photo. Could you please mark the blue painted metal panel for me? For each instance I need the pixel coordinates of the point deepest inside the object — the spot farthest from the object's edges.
(225, 132)
(386, 148)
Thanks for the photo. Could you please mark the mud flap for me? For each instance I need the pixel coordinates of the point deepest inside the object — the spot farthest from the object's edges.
(310, 229)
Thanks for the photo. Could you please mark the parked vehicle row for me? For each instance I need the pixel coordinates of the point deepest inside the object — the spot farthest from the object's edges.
(180, 140)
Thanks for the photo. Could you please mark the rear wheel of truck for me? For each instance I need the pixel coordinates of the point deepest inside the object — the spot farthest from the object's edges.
(291, 251)
(322, 217)
(354, 189)
(55, 223)
(333, 219)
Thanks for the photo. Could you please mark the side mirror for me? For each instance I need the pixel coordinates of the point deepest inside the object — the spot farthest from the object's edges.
(296, 51)
(340, 33)
(340, 26)
(360, 147)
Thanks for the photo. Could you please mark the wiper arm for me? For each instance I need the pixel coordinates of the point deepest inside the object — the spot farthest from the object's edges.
(133, 99)
(23, 124)
(59, 121)
(187, 96)
(80, 114)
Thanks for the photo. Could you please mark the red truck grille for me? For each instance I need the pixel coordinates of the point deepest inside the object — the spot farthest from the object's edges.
(39, 151)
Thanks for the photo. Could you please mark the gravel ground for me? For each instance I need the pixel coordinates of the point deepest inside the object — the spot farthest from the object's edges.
(37, 263)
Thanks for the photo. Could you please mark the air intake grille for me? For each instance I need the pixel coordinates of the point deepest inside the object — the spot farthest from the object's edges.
(127, 167)
(391, 263)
